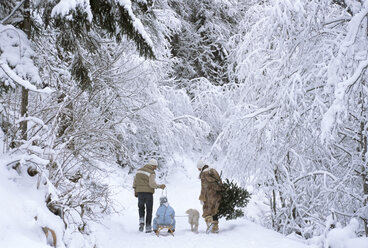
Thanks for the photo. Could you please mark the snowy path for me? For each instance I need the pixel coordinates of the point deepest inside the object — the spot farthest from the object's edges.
(21, 201)
(122, 231)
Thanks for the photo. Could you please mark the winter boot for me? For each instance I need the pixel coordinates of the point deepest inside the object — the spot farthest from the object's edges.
(148, 229)
(209, 223)
(141, 224)
(215, 228)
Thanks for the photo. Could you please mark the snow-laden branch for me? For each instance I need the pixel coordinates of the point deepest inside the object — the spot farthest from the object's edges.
(9, 159)
(258, 112)
(26, 84)
(137, 24)
(353, 29)
(12, 13)
(64, 6)
(320, 172)
(29, 118)
(189, 117)
(332, 80)
(201, 123)
(337, 105)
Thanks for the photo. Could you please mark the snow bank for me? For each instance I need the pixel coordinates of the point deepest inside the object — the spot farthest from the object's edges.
(257, 208)
(346, 237)
(20, 204)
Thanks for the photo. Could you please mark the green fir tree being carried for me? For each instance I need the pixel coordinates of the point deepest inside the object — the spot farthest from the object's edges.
(233, 199)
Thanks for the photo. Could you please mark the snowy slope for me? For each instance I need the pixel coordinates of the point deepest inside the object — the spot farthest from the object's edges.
(20, 203)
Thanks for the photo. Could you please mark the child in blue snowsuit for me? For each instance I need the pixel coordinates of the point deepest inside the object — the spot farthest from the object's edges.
(165, 215)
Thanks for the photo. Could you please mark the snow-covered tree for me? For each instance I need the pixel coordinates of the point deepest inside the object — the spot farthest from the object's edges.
(200, 48)
(344, 125)
(285, 60)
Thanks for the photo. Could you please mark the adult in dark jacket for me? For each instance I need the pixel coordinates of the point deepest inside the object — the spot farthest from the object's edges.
(210, 197)
(144, 186)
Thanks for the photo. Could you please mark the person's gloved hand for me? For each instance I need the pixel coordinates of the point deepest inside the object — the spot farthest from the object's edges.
(202, 202)
(135, 194)
(162, 186)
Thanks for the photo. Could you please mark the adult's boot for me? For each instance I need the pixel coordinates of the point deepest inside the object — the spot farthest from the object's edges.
(215, 228)
(209, 223)
(141, 224)
(148, 229)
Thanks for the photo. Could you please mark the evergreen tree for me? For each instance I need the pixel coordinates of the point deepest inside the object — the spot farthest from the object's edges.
(201, 47)
(81, 30)
(233, 199)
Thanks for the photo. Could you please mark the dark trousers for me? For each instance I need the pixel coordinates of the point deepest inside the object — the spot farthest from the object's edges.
(145, 201)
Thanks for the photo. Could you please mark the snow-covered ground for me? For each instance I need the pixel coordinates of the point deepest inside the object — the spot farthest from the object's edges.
(21, 202)
(182, 193)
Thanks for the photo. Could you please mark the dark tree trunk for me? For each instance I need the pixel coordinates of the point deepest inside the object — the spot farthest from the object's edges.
(23, 113)
(363, 142)
(24, 107)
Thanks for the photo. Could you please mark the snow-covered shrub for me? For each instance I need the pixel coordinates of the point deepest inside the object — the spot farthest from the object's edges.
(345, 237)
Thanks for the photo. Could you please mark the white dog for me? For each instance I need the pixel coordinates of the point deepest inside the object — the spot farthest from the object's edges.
(193, 217)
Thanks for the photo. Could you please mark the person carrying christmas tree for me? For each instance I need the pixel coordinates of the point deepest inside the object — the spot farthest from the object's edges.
(210, 196)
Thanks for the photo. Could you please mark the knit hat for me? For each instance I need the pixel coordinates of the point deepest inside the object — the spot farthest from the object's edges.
(163, 199)
(153, 162)
(200, 164)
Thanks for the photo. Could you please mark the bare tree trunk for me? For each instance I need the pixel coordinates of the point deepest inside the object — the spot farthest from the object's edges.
(66, 116)
(363, 149)
(273, 209)
(363, 143)
(365, 192)
(278, 184)
(24, 105)
(23, 113)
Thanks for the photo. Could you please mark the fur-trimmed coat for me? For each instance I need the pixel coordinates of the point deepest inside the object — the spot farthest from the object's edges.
(210, 187)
